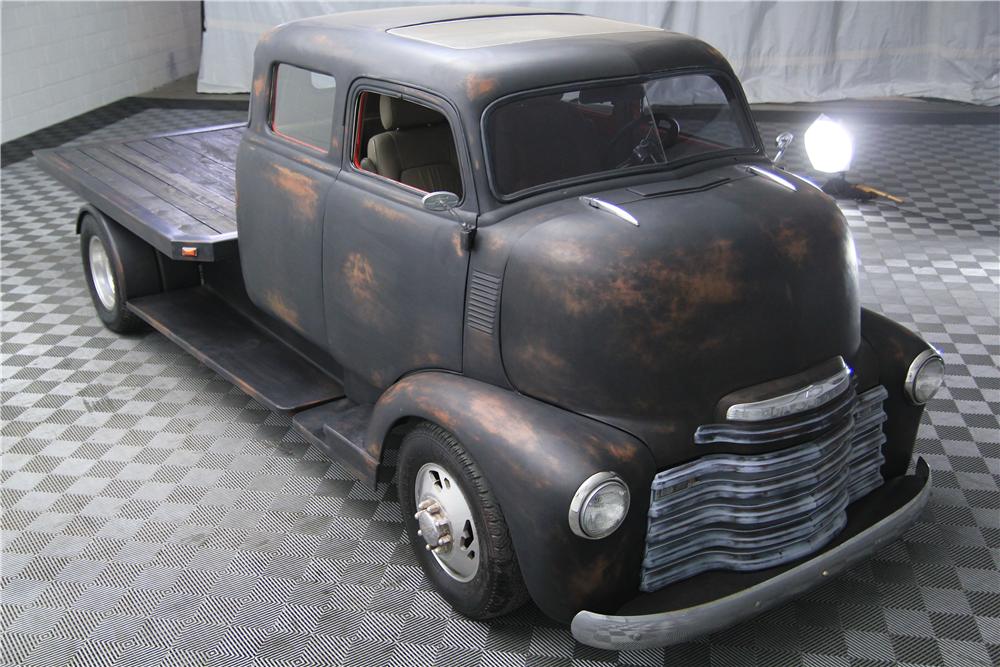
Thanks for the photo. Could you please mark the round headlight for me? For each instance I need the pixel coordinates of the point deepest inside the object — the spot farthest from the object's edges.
(925, 377)
(599, 506)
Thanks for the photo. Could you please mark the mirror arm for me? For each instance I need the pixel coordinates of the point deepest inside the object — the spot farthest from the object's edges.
(782, 141)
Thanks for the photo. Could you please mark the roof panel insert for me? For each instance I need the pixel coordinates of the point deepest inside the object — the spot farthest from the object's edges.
(489, 31)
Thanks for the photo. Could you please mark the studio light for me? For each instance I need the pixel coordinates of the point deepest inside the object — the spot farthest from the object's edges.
(829, 146)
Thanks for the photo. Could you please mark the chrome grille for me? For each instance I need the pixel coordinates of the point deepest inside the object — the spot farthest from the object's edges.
(754, 511)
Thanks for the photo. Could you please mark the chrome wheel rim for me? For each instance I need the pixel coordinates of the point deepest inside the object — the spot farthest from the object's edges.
(101, 274)
(454, 538)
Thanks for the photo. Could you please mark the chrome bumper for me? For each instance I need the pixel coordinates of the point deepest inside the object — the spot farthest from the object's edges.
(636, 632)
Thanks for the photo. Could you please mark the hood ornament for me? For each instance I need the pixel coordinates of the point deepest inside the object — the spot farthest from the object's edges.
(608, 207)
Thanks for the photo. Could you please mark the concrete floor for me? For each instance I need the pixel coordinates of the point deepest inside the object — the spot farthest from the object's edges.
(186, 88)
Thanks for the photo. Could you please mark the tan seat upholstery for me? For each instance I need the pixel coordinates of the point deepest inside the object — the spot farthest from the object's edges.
(417, 148)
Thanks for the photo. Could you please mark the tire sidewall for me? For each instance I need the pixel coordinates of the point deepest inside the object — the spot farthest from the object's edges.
(470, 597)
(89, 228)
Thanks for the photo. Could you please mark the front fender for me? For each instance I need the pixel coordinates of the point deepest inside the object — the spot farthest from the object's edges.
(895, 347)
(535, 456)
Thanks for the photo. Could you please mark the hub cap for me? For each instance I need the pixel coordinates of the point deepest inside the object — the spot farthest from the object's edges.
(101, 274)
(445, 522)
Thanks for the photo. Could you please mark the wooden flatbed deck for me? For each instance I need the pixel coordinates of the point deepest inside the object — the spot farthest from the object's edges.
(174, 191)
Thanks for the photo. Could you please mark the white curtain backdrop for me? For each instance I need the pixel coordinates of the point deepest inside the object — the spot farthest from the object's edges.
(782, 51)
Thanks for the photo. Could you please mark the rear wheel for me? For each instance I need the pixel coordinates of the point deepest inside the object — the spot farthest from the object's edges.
(116, 265)
(457, 529)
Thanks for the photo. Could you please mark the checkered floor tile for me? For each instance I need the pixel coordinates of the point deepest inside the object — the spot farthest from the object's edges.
(155, 515)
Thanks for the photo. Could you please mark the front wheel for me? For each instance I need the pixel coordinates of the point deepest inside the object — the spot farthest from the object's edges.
(457, 529)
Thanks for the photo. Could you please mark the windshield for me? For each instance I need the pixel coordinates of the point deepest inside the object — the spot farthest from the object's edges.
(558, 136)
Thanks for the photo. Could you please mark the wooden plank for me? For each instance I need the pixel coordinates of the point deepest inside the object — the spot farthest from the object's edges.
(201, 162)
(197, 143)
(221, 141)
(145, 206)
(222, 183)
(237, 349)
(133, 216)
(198, 190)
(230, 137)
(168, 193)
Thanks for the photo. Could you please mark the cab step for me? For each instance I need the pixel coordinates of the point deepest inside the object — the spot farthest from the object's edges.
(338, 429)
(237, 348)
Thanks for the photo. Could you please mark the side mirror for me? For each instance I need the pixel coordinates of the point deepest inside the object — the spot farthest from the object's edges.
(782, 141)
(440, 201)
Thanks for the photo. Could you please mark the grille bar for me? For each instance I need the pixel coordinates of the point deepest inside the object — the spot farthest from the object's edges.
(749, 512)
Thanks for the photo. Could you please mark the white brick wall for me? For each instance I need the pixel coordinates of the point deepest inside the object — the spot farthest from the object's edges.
(60, 59)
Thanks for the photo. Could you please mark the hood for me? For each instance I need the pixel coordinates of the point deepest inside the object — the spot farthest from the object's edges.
(647, 327)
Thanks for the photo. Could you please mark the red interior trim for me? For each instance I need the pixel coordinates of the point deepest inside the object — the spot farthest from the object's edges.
(359, 122)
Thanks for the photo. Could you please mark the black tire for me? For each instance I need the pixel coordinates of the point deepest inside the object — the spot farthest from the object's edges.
(497, 587)
(134, 271)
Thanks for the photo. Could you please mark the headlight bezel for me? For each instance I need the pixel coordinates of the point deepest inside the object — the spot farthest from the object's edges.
(919, 363)
(586, 492)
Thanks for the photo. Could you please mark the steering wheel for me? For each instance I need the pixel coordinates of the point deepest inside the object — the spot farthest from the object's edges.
(666, 126)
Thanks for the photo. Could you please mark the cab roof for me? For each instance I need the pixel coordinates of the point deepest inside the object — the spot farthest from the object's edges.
(480, 52)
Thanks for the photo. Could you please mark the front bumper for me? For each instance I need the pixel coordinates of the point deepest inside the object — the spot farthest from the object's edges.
(907, 495)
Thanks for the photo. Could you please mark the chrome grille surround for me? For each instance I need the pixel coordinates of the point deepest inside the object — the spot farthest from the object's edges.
(754, 511)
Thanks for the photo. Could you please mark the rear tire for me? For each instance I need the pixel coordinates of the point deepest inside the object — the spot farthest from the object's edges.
(493, 586)
(117, 265)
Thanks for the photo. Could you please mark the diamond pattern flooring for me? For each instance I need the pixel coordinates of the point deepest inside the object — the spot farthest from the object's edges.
(155, 515)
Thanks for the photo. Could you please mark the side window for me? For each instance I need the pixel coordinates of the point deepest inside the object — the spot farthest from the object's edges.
(405, 142)
(302, 106)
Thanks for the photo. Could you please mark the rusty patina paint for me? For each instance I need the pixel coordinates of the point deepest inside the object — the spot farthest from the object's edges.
(792, 241)
(363, 287)
(671, 307)
(299, 189)
(384, 211)
(666, 292)
(360, 277)
(477, 86)
(281, 308)
(259, 84)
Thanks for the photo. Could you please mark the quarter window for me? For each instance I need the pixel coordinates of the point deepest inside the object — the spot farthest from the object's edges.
(302, 106)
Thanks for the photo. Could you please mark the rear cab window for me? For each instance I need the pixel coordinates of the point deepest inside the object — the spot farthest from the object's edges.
(551, 137)
(302, 106)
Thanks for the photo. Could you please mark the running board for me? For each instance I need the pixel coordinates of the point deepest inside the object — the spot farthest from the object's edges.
(237, 348)
(338, 429)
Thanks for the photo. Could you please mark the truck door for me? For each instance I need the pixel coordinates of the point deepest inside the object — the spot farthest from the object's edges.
(394, 271)
(284, 172)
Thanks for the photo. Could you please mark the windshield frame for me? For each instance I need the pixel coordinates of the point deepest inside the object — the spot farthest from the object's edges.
(739, 105)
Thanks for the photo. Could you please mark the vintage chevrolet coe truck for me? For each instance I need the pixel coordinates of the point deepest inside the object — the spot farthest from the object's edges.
(546, 254)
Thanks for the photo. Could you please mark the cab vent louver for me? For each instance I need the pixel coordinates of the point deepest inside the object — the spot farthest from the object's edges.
(754, 511)
(484, 297)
